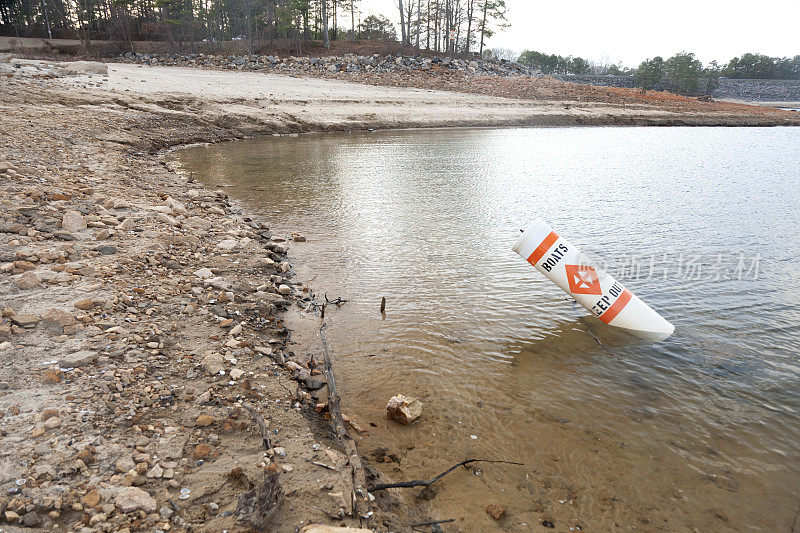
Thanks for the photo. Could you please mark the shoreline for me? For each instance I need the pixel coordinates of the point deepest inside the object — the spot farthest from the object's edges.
(127, 289)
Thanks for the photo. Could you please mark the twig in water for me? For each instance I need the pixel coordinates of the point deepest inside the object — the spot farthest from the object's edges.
(359, 496)
(383, 305)
(337, 302)
(429, 482)
(432, 522)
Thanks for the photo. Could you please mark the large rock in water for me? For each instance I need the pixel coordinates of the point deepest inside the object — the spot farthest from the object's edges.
(404, 409)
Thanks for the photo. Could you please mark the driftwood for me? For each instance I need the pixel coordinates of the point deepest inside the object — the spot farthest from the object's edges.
(429, 482)
(262, 426)
(359, 496)
(256, 506)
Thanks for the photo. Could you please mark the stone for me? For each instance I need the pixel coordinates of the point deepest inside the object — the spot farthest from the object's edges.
(107, 250)
(236, 373)
(73, 222)
(284, 290)
(204, 273)
(176, 207)
(28, 280)
(52, 423)
(91, 499)
(126, 225)
(25, 321)
(11, 517)
(403, 409)
(166, 219)
(228, 245)
(212, 363)
(131, 499)
(204, 421)
(58, 319)
(201, 451)
(495, 511)
(125, 464)
(78, 359)
(48, 413)
(84, 305)
(156, 472)
(30, 519)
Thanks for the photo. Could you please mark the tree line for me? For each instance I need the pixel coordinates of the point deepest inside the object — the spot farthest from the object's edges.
(681, 73)
(456, 27)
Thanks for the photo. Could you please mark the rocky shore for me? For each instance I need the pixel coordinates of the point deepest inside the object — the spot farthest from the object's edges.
(142, 321)
(375, 63)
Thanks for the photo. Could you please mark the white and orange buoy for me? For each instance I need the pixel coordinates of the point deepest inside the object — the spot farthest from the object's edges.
(602, 295)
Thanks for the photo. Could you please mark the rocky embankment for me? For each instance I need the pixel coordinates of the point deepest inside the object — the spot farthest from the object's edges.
(142, 326)
(348, 63)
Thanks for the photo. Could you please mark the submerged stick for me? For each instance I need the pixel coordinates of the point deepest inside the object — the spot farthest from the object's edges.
(432, 522)
(429, 482)
(359, 497)
(383, 305)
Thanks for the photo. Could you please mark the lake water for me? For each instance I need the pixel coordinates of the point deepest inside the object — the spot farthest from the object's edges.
(699, 431)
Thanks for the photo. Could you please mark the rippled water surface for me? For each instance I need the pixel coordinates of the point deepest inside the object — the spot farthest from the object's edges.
(699, 431)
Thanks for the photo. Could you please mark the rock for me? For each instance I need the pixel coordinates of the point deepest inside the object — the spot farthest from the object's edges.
(84, 305)
(25, 321)
(166, 219)
(28, 280)
(58, 319)
(228, 245)
(212, 363)
(126, 225)
(131, 499)
(204, 421)
(204, 273)
(201, 451)
(176, 207)
(155, 473)
(107, 250)
(73, 222)
(125, 464)
(30, 519)
(48, 413)
(52, 423)
(236, 373)
(11, 517)
(403, 409)
(495, 511)
(78, 359)
(284, 290)
(91, 499)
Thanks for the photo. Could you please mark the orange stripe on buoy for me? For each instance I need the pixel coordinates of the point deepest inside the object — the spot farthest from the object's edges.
(540, 250)
(612, 312)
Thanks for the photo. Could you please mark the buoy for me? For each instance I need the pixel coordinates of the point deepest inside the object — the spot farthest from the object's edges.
(593, 288)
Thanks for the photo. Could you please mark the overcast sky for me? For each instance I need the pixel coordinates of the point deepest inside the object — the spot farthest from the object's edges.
(630, 31)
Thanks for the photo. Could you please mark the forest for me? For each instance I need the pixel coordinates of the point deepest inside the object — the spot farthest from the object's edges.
(456, 27)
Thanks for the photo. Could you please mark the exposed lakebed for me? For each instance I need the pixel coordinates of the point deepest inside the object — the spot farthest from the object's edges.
(702, 430)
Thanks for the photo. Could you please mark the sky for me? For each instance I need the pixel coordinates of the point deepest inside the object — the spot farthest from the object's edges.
(630, 31)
